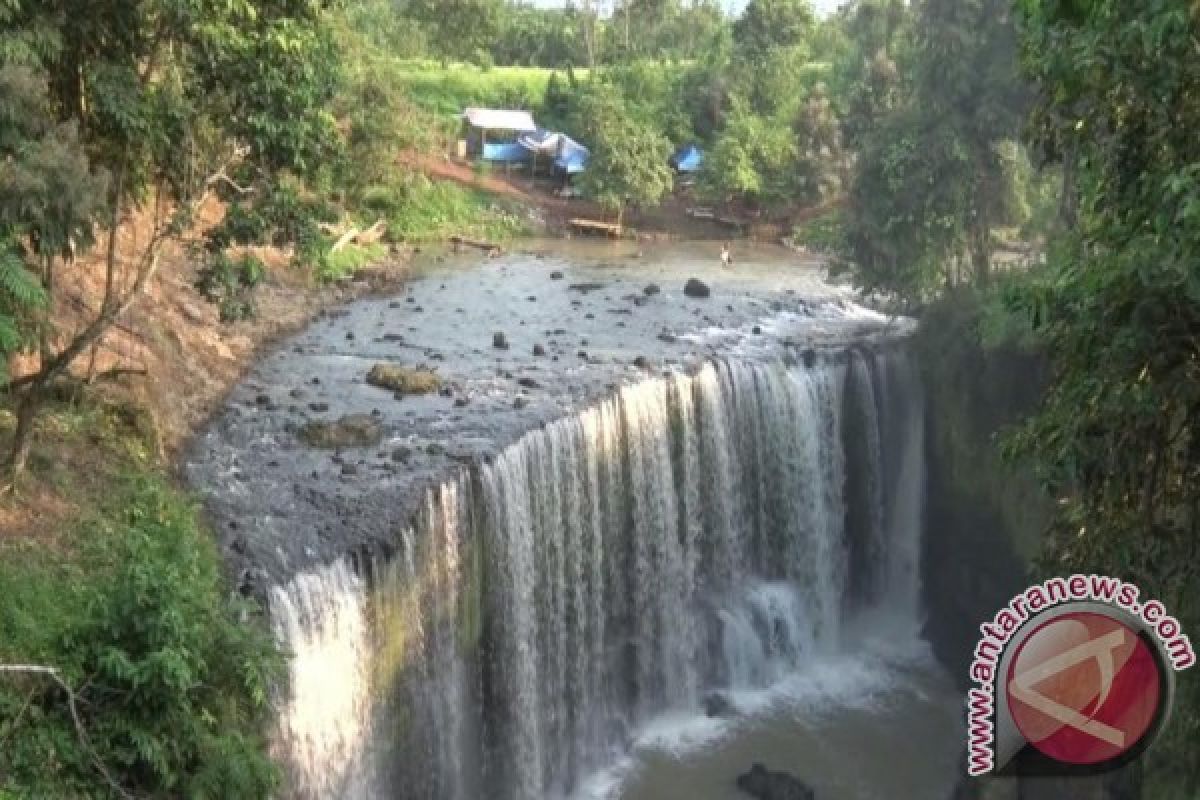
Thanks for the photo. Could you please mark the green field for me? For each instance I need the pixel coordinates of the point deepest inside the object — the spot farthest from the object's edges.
(448, 89)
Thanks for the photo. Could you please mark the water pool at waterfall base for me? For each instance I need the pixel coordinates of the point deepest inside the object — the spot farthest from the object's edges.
(879, 722)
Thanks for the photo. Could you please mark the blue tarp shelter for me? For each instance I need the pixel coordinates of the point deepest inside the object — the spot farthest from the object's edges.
(572, 157)
(688, 159)
(502, 128)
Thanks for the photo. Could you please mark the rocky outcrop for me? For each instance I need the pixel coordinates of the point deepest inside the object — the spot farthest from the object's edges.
(404, 380)
(764, 784)
(353, 430)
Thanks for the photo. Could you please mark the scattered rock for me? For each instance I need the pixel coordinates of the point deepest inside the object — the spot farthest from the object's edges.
(410, 299)
(589, 315)
(756, 330)
(696, 288)
(529, 383)
(651, 290)
(402, 454)
(349, 469)
(319, 408)
(520, 402)
(585, 287)
(810, 358)
(297, 394)
(349, 336)
(539, 350)
(641, 362)
(353, 430)
(499, 341)
(446, 391)
(764, 784)
(434, 449)
(531, 299)
(262, 400)
(556, 276)
(403, 380)
(461, 401)
(667, 336)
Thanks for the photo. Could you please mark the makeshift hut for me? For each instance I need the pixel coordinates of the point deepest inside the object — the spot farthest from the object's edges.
(492, 134)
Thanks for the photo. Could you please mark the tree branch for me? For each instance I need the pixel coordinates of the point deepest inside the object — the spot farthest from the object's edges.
(80, 730)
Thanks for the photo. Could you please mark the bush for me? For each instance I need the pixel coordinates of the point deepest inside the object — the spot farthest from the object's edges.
(230, 284)
(823, 234)
(171, 675)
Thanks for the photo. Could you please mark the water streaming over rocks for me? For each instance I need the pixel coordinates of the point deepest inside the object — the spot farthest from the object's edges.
(691, 535)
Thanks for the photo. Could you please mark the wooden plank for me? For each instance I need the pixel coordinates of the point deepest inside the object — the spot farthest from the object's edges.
(595, 226)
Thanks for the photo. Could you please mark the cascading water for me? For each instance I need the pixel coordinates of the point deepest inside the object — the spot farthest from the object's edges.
(688, 536)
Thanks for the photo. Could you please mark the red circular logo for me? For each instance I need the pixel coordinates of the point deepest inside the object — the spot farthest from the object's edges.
(1084, 688)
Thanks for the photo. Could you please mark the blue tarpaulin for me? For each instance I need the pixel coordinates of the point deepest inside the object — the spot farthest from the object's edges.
(505, 152)
(688, 159)
(572, 156)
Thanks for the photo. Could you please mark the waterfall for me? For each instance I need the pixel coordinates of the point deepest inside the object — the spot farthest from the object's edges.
(689, 535)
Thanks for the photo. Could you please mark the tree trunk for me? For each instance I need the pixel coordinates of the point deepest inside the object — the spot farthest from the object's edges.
(1068, 209)
(22, 439)
(981, 255)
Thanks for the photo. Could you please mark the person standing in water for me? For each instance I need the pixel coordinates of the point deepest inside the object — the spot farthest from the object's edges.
(726, 256)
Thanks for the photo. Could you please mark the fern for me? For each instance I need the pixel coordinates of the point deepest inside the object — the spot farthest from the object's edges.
(20, 290)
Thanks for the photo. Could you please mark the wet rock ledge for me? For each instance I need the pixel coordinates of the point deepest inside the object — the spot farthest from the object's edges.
(328, 444)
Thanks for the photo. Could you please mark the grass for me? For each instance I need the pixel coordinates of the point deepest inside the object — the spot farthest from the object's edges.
(420, 210)
(345, 262)
(447, 90)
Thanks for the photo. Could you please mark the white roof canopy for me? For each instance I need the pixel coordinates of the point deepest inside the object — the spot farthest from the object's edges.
(490, 119)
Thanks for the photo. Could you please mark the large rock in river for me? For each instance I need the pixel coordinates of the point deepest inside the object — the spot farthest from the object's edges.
(696, 288)
(405, 380)
(354, 430)
(764, 784)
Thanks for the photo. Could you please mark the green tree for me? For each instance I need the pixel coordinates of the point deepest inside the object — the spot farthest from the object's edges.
(1118, 437)
(933, 180)
(767, 24)
(458, 29)
(628, 163)
(753, 159)
(165, 98)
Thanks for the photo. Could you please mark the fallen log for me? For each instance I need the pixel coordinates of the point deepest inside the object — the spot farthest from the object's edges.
(487, 247)
(344, 239)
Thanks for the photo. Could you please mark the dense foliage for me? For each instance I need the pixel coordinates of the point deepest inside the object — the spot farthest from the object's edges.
(170, 677)
(1118, 306)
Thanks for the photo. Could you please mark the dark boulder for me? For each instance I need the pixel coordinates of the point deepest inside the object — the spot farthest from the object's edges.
(651, 290)
(499, 341)
(764, 784)
(696, 288)
(718, 704)
(539, 350)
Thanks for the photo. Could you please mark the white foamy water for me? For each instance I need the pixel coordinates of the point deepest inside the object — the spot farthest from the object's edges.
(558, 618)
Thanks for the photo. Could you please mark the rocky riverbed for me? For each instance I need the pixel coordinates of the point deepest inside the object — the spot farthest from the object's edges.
(311, 459)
